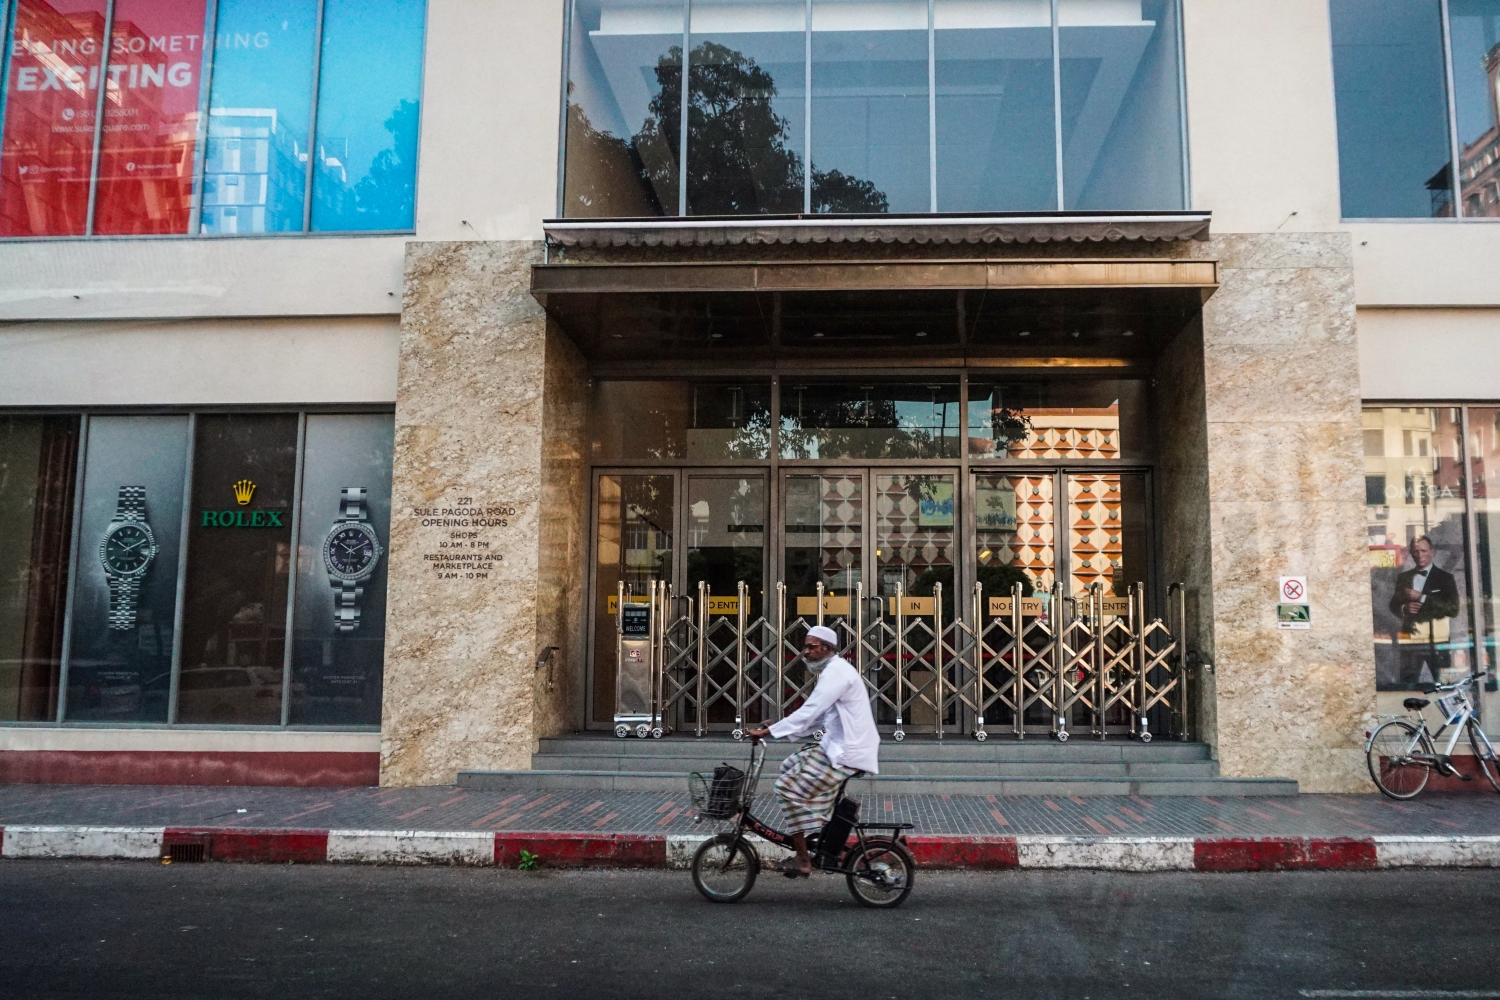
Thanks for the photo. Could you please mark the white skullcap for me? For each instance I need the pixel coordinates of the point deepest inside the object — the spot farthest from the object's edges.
(825, 635)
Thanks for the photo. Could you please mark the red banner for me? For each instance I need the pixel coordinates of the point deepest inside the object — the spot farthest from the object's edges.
(150, 117)
(47, 145)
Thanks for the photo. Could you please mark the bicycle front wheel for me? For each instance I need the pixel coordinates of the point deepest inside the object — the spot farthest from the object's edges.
(1484, 754)
(880, 874)
(1399, 759)
(724, 868)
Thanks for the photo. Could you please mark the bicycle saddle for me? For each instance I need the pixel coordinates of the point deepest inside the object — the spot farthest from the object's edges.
(1415, 704)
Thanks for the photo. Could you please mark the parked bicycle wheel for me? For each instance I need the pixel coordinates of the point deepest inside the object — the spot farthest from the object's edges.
(1399, 759)
(724, 868)
(881, 874)
(1484, 754)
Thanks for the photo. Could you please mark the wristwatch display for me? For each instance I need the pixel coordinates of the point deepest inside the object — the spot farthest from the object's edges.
(126, 551)
(351, 551)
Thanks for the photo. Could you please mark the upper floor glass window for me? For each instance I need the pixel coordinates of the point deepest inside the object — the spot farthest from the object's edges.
(1401, 125)
(875, 106)
(219, 117)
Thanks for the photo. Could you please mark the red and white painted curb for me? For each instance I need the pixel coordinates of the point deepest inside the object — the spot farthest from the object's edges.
(579, 850)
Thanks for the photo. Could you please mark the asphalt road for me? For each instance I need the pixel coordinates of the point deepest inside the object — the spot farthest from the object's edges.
(131, 929)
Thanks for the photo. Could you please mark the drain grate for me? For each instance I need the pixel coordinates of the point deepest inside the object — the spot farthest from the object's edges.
(185, 853)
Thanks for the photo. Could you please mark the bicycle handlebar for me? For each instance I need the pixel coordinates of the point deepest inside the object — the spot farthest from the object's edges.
(1472, 678)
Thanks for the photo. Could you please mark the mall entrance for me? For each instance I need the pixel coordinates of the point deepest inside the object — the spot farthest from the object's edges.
(1003, 590)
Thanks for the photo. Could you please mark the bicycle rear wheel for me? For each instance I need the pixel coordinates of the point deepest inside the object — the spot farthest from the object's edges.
(880, 874)
(1395, 765)
(724, 868)
(1484, 754)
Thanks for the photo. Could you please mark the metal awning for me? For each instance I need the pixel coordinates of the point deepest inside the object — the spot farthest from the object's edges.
(768, 312)
(903, 275)
(955, 229)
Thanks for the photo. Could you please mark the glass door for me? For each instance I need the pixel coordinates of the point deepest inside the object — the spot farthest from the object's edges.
(725, 540)
(823, 540)
(916, 558)
(633, 544)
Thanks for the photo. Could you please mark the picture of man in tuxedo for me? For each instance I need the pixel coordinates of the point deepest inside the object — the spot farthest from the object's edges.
(1425, 598)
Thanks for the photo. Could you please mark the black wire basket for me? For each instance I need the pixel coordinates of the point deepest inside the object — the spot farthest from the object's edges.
(717, 795)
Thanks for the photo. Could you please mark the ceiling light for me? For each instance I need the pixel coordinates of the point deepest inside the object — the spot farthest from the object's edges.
(1076, 333)
(1129, 333)
(716, 336)
(1024, 333)
(818, 334)
(921, 333)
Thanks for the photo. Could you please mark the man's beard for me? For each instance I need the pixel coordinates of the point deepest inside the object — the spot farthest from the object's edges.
(816, 666)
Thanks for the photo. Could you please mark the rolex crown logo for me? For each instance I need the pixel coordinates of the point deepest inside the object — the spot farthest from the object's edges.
(243, 491)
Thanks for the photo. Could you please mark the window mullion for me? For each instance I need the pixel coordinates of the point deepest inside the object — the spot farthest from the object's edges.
(932, 105)
(1057, 129)
(1455, 177)
(312, 120)
(109, 27)
(682, 126)
(807, 73)
(60, 710)
(179, 607)
(205, 105)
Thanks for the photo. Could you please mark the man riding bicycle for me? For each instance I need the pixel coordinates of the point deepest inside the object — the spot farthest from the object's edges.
(810, 778)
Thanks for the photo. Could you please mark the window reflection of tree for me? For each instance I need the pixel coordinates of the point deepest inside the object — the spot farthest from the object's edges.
(739, 162)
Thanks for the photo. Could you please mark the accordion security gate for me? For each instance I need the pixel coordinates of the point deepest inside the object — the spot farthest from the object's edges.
(984, 664)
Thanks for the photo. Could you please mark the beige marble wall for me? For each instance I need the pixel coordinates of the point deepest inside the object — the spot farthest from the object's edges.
(1183, 515)
(460, 674)
(564, 543)
(1285, 493)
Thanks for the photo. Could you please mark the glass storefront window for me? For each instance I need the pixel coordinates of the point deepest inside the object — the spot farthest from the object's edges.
(996, 128)
(38, 463)
(365, 156)
(125, 597)
(148, 644)
(624, 129)
(1121, 104)
(338, 650)
(823, 420)
(1054, 419)
(1390, 83)
(1415, 520)
(148, 147)
(1475, 32)
(239, 563)
(55, 52)
(1484, 465)
(871, 106)
(255, 173)
(701, 421)
(869, 138)
(268, 67)
(747, 123)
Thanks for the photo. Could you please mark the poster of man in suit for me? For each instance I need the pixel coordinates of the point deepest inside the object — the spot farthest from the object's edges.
(1425, 597)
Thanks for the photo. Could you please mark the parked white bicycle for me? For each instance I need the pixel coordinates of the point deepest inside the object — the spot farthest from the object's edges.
(1401, 752)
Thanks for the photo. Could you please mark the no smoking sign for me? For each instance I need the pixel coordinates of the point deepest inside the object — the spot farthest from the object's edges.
(1292, 607)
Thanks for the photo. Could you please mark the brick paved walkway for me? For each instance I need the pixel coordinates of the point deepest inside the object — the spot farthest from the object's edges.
(579, 810)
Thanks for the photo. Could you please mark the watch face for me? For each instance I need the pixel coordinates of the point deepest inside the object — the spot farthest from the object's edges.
(350, 551)
(127, 549)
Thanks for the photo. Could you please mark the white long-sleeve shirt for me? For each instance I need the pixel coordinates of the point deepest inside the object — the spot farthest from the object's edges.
(840, 706)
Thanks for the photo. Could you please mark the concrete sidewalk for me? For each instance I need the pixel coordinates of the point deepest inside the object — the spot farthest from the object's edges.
(573, 827)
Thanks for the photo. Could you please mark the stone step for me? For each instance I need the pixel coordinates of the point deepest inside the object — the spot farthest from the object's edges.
(1076, 749)
(649, 781)
(994, 767)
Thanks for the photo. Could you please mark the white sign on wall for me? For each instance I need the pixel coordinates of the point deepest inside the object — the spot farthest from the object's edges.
(1293, 610)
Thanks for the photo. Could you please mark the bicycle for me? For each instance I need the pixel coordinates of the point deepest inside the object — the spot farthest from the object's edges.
(879, 870)
(1402, 755)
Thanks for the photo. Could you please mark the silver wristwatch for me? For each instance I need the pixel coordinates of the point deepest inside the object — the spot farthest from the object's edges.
(126, 552)
(351, 551)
